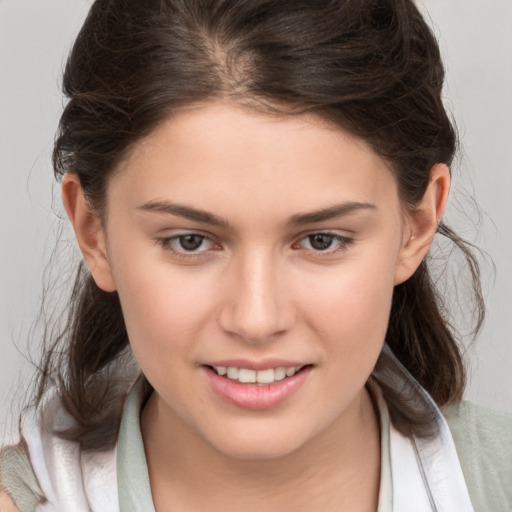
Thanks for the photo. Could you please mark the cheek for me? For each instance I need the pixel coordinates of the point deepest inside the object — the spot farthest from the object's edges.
(164, 308)
(164, 314)
(350, 309)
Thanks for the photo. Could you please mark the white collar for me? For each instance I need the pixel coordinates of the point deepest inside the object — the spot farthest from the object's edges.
(425, 473)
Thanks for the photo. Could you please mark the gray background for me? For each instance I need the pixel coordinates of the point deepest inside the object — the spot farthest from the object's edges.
(35, 36)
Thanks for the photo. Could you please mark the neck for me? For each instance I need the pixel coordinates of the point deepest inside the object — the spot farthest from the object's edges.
(339, 469)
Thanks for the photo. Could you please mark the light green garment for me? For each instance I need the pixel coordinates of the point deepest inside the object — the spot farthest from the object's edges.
(483, 439)
(18, 479)
(132, 471)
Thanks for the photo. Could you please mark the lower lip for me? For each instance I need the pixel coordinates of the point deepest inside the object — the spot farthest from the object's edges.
(256, 396)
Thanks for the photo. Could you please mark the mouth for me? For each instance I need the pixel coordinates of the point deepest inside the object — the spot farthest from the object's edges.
(263, 377)
(256, 385)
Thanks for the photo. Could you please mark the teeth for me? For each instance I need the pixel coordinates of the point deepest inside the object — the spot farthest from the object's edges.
(232, 373)
(290, 371)
(279, 373)
(247, 376)
(265, 376)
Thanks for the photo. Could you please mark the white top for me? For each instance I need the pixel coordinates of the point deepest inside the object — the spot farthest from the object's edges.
(426, 473)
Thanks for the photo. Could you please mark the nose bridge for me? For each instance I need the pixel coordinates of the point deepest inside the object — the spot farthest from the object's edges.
(257, 308)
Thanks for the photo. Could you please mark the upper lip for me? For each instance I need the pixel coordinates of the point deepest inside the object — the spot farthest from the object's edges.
(264, 364)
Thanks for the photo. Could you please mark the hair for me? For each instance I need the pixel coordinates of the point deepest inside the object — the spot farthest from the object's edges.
(373, 67)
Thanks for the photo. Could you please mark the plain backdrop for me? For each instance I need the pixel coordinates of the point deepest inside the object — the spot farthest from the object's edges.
(35, 36)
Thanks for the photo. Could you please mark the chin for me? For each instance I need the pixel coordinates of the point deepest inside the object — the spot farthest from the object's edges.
(259, 444)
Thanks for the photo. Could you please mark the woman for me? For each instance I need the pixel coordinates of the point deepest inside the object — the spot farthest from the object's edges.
(255, 187)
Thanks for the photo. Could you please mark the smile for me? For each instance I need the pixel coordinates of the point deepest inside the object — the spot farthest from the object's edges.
(249, 376)
(256, 388)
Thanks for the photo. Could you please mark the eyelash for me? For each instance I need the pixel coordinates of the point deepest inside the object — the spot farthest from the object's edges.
(166, 243)
(343, 242)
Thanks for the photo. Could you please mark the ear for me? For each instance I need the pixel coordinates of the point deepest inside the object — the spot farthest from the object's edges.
(421, 224)
(89, 231)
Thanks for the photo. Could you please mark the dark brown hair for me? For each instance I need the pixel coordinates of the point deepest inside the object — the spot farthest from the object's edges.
(371, 66)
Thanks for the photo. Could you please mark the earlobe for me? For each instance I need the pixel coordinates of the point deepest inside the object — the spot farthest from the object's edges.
(422, 223)
(88, 231)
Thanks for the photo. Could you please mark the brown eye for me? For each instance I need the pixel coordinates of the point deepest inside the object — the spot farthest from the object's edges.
(191, 242)
(326, 243)
(321, 241)
(189, 245)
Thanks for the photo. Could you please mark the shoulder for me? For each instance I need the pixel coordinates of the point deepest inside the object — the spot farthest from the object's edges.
(484, 432)
(483, 439)
(6, 504)
(19, 488)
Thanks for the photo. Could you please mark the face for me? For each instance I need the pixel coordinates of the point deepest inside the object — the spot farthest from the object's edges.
(250, 248)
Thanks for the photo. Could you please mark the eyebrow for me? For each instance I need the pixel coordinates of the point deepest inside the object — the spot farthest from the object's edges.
(331, 212)
(185, 212)
(300, 219)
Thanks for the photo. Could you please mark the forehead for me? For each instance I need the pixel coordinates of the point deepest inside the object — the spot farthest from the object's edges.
(218, 155)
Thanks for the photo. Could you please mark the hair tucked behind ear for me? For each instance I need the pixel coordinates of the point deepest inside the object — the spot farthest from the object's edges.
(371, 66)
(423, 341)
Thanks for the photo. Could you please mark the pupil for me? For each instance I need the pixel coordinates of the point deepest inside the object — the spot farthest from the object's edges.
(191, 242)
(320, 241)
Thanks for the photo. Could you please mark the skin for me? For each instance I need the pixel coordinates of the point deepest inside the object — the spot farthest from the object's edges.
(6, 504)
(256, 289)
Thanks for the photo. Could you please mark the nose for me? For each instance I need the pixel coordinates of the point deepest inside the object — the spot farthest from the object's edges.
(258, 307)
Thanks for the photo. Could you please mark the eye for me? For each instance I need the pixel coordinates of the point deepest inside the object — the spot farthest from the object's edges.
(324, 242)
(187, 244)
(190, 242)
